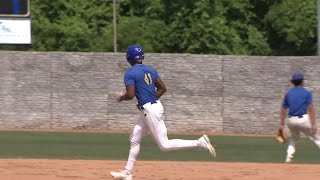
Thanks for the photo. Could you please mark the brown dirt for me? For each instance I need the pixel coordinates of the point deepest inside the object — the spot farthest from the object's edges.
(32, 169)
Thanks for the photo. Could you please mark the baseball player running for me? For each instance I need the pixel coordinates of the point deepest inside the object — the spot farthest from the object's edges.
(301, 115)
(144, 83)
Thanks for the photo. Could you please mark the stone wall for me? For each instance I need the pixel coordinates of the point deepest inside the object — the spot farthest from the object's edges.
(231, 94)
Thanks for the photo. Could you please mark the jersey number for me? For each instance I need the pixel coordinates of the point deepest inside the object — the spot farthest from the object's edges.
(147, 78)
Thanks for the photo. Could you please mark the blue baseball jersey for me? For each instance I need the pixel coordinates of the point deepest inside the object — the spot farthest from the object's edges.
(143, 78)
(297, 101)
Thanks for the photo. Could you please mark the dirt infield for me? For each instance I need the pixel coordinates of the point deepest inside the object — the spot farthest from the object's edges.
(32, 169)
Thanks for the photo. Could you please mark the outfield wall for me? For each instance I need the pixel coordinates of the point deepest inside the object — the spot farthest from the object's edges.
(232, 94)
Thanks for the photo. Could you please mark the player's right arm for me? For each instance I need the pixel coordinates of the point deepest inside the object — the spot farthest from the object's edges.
(161, 88)
(312, 115)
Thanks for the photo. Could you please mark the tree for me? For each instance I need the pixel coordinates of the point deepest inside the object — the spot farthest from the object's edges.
(219, 27)
(247, 27)
(292, 27)
(68, 25)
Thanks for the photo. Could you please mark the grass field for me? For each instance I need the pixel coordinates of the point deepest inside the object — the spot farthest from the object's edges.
(84, 145)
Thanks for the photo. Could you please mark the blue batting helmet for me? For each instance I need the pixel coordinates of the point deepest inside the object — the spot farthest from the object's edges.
(134, 53)
(297, 76)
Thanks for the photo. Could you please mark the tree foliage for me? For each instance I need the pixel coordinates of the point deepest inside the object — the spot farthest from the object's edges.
(293, 27)
(246, 27)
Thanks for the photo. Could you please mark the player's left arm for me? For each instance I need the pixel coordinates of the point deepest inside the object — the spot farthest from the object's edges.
(128, 95)
(283, 112)
(129, 81)
(283, 116)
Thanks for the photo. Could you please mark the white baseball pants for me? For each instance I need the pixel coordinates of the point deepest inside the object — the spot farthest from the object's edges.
(297, 125)
(152, 121)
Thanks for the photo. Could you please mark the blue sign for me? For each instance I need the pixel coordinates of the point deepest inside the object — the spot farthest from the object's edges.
(14, 8)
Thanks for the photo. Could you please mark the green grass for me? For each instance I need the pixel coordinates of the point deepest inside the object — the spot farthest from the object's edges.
(78, 145)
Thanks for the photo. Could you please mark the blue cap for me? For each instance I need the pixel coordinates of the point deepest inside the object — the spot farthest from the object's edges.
(134, 53)
(297, 76)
